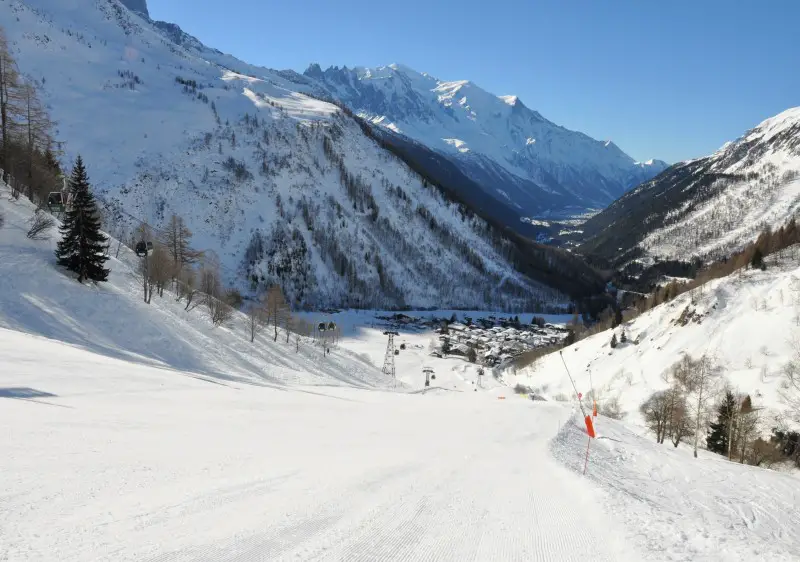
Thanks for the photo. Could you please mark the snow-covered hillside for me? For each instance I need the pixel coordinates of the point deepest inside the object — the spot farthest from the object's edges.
(747, 322)
(139, 432)
(516, 154)
(112, 320)
(283, 187)
(709, 207)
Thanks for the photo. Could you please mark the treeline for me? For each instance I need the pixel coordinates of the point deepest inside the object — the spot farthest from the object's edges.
(607, 313)
(28, 151)
(698, 407)
(754, 255)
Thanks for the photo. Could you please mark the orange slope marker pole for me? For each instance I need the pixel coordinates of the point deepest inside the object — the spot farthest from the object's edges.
(586, 417)
(586, 462)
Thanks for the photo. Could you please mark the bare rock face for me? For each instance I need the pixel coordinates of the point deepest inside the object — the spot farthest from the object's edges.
(138, 6)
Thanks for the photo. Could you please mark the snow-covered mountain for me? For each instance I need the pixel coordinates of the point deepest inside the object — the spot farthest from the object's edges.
(512, 151)
(285, 188)
(709, 207)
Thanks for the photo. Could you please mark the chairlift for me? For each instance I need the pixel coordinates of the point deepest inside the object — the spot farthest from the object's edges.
(143, 248)
(55, 202)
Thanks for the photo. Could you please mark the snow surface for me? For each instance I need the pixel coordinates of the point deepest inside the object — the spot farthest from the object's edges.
(673, 504)
(138, 433)
(122, 462)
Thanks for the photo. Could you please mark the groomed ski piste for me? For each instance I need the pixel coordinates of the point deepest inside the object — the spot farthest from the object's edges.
(136, 432)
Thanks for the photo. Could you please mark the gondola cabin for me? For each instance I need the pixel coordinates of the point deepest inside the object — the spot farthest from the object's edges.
(55, 202)
(143, 248)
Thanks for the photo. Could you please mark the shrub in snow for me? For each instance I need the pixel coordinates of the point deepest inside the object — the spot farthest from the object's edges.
(611, 408)
(41, 225)
(522, 389)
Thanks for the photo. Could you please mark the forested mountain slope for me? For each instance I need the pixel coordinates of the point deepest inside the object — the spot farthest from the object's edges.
(709, 207)
(283, 187)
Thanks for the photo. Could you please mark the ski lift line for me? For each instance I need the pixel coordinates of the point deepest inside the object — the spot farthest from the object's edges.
(155, 229)
(580, 404)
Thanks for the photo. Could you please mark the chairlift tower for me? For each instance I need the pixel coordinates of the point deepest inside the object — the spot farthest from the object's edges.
(428, 372)
(388, 361)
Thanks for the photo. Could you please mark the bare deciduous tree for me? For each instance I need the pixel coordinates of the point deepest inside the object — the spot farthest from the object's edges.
(160, 268)
(41, 225)
(655, 411)
(10, 102)
(701, 379)
(277, 309)
(790, 389)
(219, 310)
(38, 139)
(747, 426)
(176, 238)
(187, 287)
(144, 234)
(256, 318)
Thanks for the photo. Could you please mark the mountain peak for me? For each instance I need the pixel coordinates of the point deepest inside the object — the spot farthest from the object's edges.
(510, 100)
(137, 6)
(314, 70)
(778, 123)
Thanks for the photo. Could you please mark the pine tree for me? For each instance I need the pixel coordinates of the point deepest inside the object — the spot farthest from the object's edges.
(617, 317)
(717, 439)
(82, 248)
(445, 346)
(613, 340)
(757, 260)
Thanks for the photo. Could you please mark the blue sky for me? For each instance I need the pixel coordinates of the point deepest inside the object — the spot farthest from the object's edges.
(670, 79)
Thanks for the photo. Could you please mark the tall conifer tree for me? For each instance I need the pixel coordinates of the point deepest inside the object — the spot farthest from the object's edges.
(82, 248)
(719, 431)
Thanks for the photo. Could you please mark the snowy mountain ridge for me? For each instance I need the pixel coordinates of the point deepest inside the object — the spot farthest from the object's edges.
(283, 187)
(137, 6)
(497, 140)
(709, 207)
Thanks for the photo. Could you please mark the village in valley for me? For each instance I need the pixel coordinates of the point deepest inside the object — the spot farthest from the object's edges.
(489, 341)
